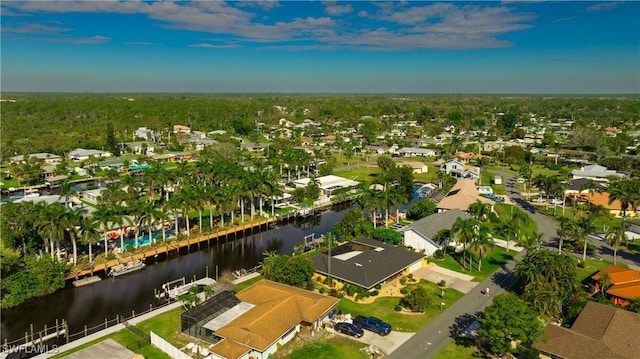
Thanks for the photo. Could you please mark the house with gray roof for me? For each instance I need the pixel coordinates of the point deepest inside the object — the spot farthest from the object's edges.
(81, 154)
(367, 262)
(419, 234)
(596, 173)
(415, 151)
(46, 158)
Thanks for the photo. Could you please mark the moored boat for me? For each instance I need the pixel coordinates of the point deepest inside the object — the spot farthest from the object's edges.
(125, 268)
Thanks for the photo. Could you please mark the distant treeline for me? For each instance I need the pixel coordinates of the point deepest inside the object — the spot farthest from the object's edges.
(58, 123)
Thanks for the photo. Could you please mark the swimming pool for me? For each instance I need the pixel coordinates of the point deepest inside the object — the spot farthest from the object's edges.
(144, 240)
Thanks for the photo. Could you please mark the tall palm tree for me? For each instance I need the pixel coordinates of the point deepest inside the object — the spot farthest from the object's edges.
(466, 231)
(104, 217)
(481, 245)
(623, 191)
(509, 229)
(72, 220)
(52, 222)
(583, 229)
(565, 230)
(615, 235)
(479, 210)
(88, 227)
(604, 281)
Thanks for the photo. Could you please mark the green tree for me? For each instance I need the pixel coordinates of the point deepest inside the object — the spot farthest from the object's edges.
(508, 319)
(421, 209)
(111, 143)
(417, 299)
(549, 281)
(615, 236)
(481, 245)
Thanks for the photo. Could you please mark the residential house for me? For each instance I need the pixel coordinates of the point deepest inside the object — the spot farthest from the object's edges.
(461, 196)
(625, 284)
(366, 262)
(254, 147)
(48, 171)
(596, 173)
(138, 148)
(46, 158)
(267, 315)
(576, 189)
(146, 134)
(615, 207)
(600, 331)
(172, 157)
(465, 157)
(116, 164)
(420, 234)
(457, 169)
(330, 185)
(181, 129)
(81, 154)
(415, 151)
(416, 167)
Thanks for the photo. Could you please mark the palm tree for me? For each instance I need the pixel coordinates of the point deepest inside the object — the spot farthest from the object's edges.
(604, 281)
(52, 223)
(525, 172)
(591, 187)
(564, 231)
(481, 245)
(615, 235)
(623, 191)
(509, 229)
(466, 231)
(72, 220)
(583, 229)
(104, 217)
(88, 227)
(479, 210)
(532, 241)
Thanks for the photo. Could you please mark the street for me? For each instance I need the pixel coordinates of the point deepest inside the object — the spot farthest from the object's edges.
(455, 320)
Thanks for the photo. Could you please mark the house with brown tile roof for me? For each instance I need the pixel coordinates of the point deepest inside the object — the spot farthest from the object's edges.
(461, 196)
(625, 284)
(615, 208)
(601, 331)
(277, 313)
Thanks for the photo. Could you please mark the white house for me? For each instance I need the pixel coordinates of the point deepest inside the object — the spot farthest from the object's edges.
(595, 172)
(81, 154)
(415, 151)
(420, 234)
(484, 189)
(46, 158)
(329, 184)
(416, 167)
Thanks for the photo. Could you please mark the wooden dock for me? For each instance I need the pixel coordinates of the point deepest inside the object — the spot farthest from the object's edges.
(166, 248)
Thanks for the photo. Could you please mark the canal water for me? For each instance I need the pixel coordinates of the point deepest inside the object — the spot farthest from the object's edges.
(91, 304)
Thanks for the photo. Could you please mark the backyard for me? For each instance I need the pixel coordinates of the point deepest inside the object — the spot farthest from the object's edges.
(496, 258)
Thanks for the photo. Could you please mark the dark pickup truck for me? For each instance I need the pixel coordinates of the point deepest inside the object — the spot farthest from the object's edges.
(373, 324)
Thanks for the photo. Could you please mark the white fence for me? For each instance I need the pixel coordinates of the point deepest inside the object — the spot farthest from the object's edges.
(166, 347)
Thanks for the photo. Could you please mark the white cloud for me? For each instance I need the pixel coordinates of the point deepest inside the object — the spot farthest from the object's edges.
(603, 6)
(36, 29)
(332, 8)
(392, 25)
(263, 4)
(138, 43)
(212, 46)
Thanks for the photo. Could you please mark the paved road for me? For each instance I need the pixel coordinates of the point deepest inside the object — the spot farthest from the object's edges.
(454, 320)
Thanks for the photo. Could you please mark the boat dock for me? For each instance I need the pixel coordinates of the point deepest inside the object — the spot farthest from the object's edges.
(166, 248)
(86, 280)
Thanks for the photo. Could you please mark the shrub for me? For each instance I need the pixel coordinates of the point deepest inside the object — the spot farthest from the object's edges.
(404, 290)
(374, 293)
(379, 286)
(438, 254)
(397, 308)
(410, 276)
(442, 283)
(403, 280)
(417, 299)
(323, 290)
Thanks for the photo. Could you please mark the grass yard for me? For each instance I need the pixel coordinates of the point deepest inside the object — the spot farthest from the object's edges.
(490, 263)
(242, 286)
(591, 267)
(459, 348)
(333, 348)
(126, 339)
(383, 309)
(367, 174)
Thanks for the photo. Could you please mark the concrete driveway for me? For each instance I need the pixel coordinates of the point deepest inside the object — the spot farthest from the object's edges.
(387, 343)
(458, 281)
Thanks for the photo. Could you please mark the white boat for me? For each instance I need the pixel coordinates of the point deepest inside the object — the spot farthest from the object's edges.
(125, 268)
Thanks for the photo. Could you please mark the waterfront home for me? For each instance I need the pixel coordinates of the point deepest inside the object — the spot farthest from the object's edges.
(461, 196)
(330, 185)
(366, 263)
(257, 321)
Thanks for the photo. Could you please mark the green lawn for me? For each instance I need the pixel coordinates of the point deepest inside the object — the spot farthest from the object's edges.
(591, 267)
(367, 174)
(490, 263)
(242, 286)
(459, 348)
(383, 309)
(334, 348)
(126, 339)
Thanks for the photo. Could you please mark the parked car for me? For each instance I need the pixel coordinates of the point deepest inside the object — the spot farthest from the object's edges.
(349, 329)
(556, 201)
(373, 324)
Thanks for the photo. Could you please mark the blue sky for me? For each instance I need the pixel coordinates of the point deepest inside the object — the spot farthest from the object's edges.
(321, 46)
